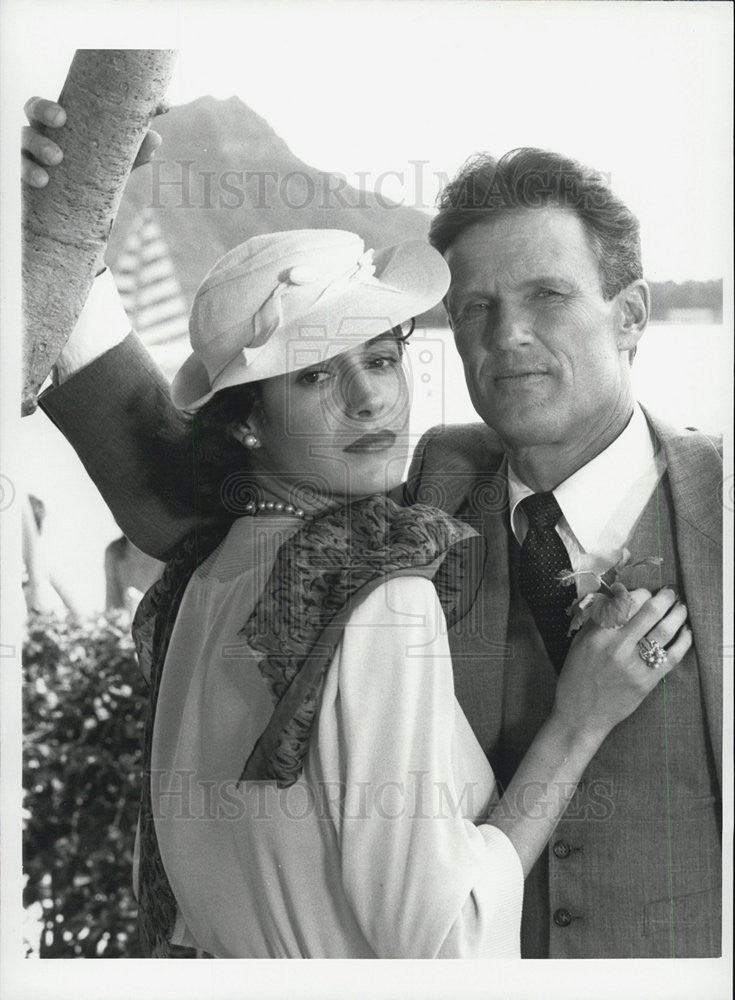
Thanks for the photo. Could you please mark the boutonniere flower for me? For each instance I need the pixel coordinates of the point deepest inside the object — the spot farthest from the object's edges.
(604, 597)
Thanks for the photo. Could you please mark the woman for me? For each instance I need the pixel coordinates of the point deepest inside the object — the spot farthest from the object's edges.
(312, 787)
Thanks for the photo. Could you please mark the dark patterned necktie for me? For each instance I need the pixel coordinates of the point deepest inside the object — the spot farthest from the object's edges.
(543, 557)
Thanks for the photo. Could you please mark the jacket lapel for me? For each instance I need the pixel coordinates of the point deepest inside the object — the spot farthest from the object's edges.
(467, 471)
(695, 474)
(496, 585)
(462, 469)
(481, 653)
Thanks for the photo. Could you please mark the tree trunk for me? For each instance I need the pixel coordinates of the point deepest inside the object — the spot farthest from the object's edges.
(110, 97)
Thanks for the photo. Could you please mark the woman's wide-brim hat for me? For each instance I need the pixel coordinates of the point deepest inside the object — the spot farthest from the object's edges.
(281, 302)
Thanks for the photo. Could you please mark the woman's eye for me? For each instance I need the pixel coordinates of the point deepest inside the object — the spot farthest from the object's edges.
(385, 361)
(313, 377)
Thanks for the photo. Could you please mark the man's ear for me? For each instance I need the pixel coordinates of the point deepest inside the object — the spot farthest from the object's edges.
(634, 305)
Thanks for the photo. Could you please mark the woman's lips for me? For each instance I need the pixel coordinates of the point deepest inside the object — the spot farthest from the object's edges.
(379, 441)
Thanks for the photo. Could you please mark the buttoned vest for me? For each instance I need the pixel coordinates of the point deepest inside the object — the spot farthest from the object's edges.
(633, 868)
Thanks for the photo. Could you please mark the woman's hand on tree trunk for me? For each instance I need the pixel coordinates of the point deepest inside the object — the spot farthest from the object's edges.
(39, 153)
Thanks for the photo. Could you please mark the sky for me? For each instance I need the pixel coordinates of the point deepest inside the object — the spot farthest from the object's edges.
(396, 95)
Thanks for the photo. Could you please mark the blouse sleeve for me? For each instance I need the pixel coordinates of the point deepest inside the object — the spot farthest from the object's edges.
(423, 880)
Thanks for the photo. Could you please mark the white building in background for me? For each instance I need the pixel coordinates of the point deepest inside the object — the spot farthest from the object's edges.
(151, 293)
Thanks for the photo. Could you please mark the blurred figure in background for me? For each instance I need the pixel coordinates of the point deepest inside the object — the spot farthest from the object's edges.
(129, 572)
(43, 590)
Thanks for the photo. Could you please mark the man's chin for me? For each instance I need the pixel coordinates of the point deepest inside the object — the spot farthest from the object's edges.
(521, 429)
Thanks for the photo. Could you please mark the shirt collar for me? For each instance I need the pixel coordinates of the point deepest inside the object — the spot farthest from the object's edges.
(592, 495)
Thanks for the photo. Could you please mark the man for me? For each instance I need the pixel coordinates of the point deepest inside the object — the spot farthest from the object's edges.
(547, 304)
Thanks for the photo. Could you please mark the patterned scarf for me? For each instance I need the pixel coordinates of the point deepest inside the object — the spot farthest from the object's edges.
(295, 629)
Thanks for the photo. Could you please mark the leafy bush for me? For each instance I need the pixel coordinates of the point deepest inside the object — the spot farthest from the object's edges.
(84, 708)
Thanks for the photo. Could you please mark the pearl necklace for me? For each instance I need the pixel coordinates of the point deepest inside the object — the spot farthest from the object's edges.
(253, 509)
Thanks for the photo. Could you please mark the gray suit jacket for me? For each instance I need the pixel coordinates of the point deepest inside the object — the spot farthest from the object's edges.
(451, 461)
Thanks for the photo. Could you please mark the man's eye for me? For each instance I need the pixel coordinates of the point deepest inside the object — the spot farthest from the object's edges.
(548, 293)
(472, 311)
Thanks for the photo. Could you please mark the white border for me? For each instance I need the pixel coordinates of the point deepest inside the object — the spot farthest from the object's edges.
(142, 23)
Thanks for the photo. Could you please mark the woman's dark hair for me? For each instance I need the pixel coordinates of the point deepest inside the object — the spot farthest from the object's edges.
(194, 459)
(224, 481)
(486, 188)
(197, 462)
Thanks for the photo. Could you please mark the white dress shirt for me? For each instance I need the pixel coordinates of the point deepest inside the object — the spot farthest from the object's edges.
(602, 502)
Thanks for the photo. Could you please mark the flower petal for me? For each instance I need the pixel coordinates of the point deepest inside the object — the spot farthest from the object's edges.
(612, 612)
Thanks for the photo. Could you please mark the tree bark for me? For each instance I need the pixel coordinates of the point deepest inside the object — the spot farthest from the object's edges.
(110, 97)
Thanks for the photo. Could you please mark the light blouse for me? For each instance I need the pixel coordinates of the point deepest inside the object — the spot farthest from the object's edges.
(378, 849)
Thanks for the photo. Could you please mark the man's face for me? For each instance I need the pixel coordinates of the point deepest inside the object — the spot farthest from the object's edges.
(544, 354)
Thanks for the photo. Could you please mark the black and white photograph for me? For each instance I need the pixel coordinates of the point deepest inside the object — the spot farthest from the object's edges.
(366, 498)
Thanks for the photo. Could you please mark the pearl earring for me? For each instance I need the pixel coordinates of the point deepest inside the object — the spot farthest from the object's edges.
(251, 441)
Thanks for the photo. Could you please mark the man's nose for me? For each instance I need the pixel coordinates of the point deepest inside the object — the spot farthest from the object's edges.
(509, 327)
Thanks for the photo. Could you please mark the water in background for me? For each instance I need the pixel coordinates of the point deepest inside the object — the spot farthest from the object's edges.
(683, 373)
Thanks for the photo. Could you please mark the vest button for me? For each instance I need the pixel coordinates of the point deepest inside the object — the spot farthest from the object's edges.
(562, 918)
(562, 849)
